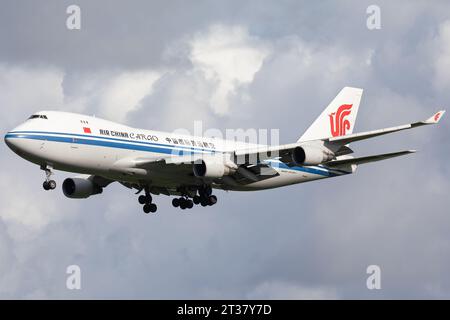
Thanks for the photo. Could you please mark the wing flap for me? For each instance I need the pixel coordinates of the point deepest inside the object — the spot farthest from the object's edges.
(250, 173)
(266, 152)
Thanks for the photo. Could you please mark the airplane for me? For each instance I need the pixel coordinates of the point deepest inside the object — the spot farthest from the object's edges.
(190, 167)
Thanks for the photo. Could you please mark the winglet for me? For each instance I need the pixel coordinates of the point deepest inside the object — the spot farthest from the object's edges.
(435, 118)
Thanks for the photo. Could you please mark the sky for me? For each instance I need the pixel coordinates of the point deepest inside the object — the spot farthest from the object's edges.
(231, 64)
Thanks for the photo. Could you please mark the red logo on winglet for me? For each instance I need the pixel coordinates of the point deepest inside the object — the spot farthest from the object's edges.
(437, 116)
(338, 123)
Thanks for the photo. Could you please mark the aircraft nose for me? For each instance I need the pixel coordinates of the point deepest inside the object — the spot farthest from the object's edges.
(12, 142)
(9, 141)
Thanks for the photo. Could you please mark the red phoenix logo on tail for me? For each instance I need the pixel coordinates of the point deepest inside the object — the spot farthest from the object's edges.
(338, 123)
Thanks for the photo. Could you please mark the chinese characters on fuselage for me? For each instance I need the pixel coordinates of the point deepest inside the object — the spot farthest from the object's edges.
(147, 137)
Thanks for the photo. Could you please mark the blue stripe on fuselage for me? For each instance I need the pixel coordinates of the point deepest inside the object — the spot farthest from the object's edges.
(102, 143)
(315, 170)
(113, 139)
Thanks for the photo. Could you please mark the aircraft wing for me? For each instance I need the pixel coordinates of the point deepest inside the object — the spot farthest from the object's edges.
(337, 144)
(254, 155)
(251, 173)
(137, 165)
(101, 181)
(343, 140)
(367, 159)
(245, 173)
(282, 152)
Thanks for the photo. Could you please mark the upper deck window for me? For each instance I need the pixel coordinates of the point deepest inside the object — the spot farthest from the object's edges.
(38, 116)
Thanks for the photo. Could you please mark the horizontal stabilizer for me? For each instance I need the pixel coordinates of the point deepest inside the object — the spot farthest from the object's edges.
(368, 159)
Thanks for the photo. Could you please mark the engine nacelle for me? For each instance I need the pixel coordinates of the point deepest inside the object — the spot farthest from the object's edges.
(311, 155)
(80, 188)
(211, 168)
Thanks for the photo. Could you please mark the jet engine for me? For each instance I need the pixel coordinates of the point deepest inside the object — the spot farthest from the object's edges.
(214, 167)
(311, 155)
(80, 188)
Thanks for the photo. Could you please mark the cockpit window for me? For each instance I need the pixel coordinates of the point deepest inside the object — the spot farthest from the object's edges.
(38, 116)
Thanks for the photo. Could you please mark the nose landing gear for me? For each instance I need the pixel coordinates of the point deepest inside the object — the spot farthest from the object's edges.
(48, 183)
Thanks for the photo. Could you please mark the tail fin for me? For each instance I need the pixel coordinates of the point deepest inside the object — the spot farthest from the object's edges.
(338, 118)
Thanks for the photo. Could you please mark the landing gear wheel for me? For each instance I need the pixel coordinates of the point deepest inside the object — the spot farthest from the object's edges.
(212, 200)
(189, 204)
(142, 199)
(51, 184)
(148, 208)
(204, 202)
(48, 184)
(196, 200)
(153, 208)
(183, 204)
(176, 202)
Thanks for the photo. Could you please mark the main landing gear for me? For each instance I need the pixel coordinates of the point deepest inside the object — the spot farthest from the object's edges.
(205, 201)
(146, 200)
(48, 183)
(183, 203)
(205, 198)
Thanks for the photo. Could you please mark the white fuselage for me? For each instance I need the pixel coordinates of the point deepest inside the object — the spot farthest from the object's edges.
(88, 145)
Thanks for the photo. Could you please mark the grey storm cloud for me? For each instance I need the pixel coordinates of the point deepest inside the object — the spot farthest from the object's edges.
(253, 64)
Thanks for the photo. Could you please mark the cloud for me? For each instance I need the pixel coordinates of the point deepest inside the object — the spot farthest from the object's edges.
(25, 90)
(441, 55)
(223, 63)
(229, 57)
(23, 218)
(124, 93)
